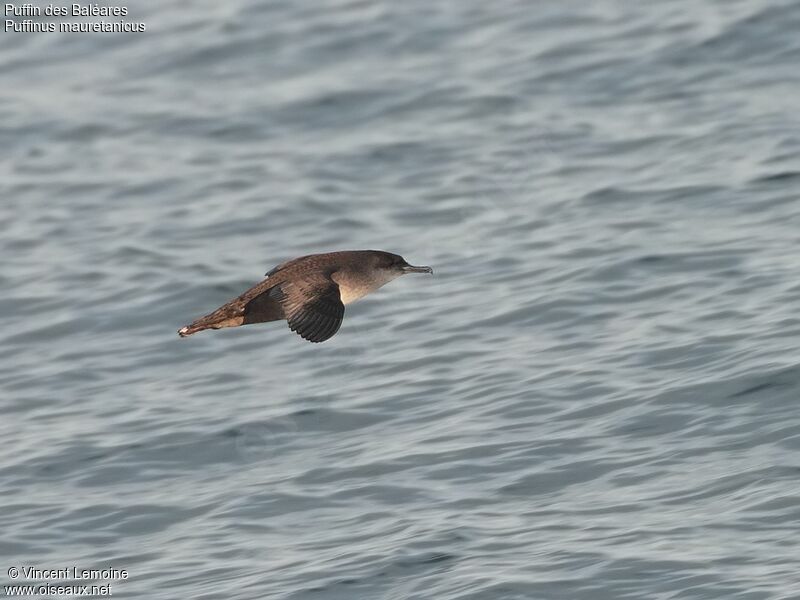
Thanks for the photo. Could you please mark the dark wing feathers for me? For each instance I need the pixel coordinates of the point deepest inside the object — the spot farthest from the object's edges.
(313, 307)
(264, 307)
(310, 303)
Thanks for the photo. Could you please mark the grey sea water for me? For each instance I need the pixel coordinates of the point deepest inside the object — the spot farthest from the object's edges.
(594, 397)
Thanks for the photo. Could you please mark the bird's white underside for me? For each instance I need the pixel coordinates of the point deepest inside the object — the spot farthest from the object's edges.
(351, 289)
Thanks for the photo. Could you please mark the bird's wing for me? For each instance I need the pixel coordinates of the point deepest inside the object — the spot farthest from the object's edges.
(263, 307)
(313, 307)
(283, 265)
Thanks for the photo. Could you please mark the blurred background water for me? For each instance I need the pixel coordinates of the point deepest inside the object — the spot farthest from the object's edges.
(594, 397)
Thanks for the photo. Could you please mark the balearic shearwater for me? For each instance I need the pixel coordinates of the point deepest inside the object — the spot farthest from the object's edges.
(310, 292)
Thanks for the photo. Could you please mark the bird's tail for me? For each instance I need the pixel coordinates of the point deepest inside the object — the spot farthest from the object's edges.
(216, 320)
(190, 329)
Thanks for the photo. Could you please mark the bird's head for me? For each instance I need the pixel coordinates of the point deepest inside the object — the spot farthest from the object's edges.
(396, 264)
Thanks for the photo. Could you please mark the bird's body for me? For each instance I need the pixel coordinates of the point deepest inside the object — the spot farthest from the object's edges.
(310, 292)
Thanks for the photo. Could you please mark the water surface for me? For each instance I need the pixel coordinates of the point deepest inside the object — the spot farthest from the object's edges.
(594, 397)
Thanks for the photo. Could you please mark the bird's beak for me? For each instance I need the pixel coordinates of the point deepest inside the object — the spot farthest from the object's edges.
(413, 269)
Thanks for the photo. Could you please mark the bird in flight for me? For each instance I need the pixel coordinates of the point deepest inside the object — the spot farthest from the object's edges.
(310, 292)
